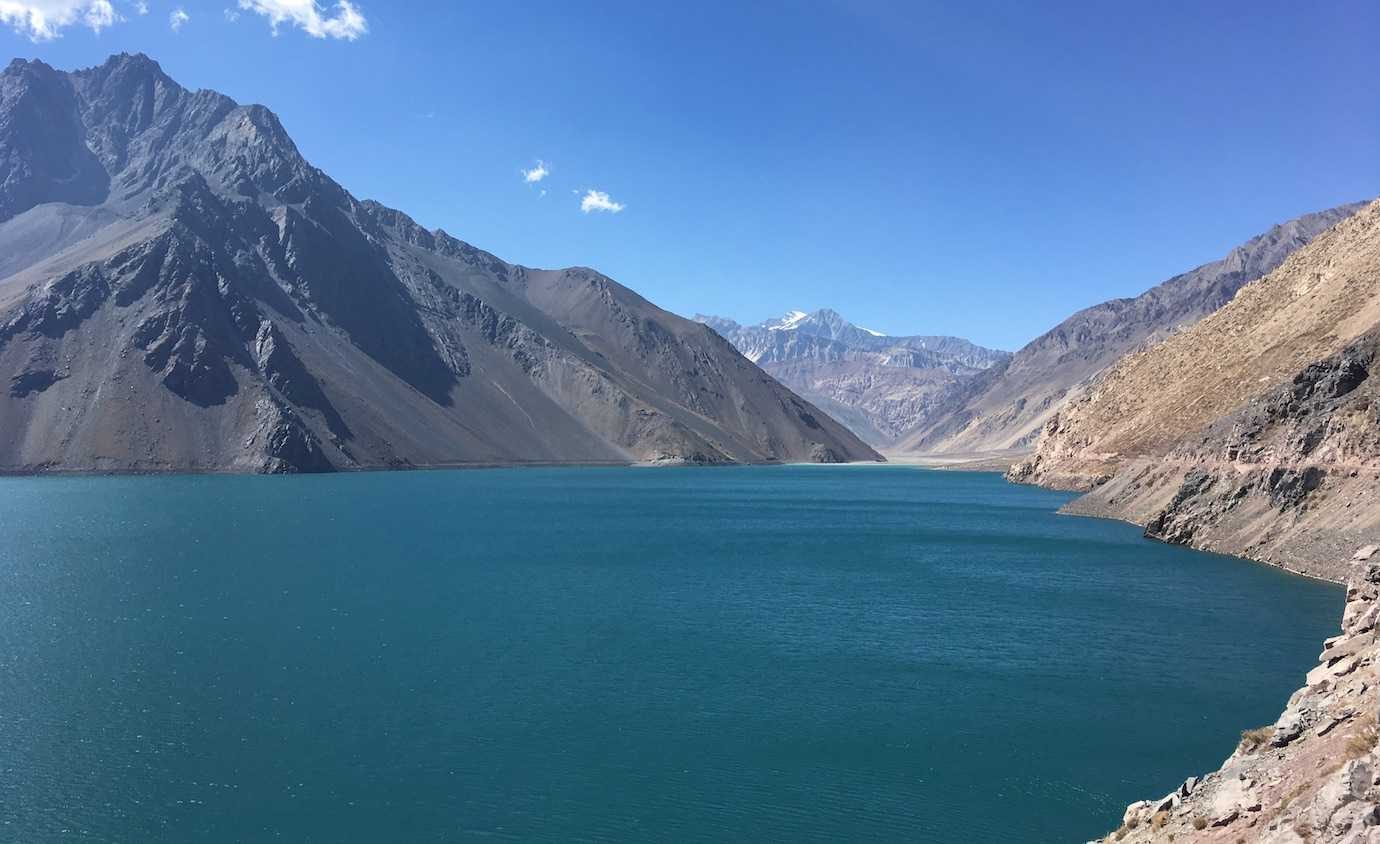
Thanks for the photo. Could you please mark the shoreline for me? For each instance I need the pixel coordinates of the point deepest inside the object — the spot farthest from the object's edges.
(56, 472)
(1309, 777)
(1064, 511)
(1290, 763)
(985, 461)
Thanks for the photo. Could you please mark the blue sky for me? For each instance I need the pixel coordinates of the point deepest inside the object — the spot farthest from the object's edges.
(970, 169)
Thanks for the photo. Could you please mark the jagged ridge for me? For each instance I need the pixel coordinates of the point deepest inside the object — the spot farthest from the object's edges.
(878, 385)
(181, 290)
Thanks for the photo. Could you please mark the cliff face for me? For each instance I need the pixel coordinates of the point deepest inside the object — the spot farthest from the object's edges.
(181, 290)
(1006, 407)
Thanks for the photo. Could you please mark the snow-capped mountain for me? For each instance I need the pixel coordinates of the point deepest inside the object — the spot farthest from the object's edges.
(881, 386)
(825, 335)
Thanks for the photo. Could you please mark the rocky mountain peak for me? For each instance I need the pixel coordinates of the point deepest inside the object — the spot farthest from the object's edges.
(124, 130)
(126, 66)
(256, 317)
(879, 385)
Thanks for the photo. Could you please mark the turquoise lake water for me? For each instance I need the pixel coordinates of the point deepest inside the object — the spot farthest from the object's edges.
(782, 653)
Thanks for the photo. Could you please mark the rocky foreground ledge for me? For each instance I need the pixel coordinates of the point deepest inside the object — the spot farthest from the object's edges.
(1312, 776)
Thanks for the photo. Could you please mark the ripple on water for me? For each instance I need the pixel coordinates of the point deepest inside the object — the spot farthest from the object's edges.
(614, 655)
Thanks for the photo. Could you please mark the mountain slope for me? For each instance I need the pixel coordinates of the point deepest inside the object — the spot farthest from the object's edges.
(1255, 431)
(1005, 408)
(181, 290)
(878, 385)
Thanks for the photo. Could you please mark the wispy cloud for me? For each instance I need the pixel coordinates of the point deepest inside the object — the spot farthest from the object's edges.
(178, 19)
(343, 20)
(597, 200)
(141, 8)
(44, 20)
(232, 15)
(536, 174)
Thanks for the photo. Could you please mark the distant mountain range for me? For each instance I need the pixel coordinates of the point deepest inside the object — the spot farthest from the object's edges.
(930, 395)
(181, 290)
(880, 386)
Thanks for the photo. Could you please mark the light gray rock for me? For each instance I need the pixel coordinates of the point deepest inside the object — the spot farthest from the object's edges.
(1226, 818)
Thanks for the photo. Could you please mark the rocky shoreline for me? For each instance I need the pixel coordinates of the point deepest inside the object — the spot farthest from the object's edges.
(1312, 775)
(1256, 432)
(1309, 777)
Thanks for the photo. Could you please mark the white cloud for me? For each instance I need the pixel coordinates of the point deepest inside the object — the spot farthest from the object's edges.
(232, 15)
(178, 18)
(141, 8)
(344, 21)
(597, 200)
(536, 174)
(44, 20)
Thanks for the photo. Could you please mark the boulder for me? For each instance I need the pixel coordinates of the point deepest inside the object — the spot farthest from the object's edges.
(1330, 724)
(1226, 818)
(1136, 813)
(1287, 732)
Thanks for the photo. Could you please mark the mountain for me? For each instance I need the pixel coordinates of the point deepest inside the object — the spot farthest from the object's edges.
(880, 386)
(181, 290)
(1005, 407)
(1255, 431)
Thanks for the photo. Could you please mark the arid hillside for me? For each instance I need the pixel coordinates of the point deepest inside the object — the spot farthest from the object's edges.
(1004, 408)
(180, 290)
(1320, 300)
(1256, 432)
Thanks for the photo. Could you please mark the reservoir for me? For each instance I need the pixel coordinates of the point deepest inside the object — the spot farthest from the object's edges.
(607, 654)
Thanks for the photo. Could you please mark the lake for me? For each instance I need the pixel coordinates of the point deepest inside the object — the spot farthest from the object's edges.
(605, 654)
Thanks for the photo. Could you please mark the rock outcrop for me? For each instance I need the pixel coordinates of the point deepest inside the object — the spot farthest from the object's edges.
(181, 290)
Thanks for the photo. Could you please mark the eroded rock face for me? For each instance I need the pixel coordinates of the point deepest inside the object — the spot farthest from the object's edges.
(183, 291)
(287, 445)
(1292, 478)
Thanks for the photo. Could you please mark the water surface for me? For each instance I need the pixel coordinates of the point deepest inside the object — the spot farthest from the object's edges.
(785, 653)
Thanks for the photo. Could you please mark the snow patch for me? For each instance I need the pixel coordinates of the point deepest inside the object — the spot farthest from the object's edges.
(791, 320)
